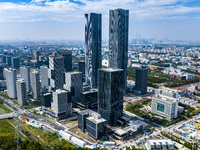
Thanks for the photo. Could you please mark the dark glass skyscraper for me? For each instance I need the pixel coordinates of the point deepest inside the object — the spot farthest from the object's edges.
(92, 48)
(141, 80)
(15, 62)
(118, 40)
(67, 54)
(110, 94)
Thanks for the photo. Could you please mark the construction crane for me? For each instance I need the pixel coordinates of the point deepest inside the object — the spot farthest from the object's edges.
(199, 82)
(196, 110)
(198, 125)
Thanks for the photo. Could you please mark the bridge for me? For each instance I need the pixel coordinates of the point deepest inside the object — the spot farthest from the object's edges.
(7, 116)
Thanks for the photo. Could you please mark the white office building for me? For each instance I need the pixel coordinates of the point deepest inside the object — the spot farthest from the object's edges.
(21, 92)
(11, 76)
(25, 74)
(61, 104)
(35, 84)
(161, 144)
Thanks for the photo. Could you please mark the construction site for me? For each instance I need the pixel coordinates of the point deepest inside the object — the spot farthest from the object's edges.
(189, 129)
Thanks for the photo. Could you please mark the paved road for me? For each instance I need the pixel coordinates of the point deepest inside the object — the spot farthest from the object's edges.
(7, 116)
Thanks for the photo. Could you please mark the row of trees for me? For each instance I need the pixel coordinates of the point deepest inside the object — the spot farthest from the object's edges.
(178, 83)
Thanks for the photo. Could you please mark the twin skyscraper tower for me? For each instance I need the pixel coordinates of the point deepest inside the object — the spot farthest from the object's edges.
(118, 44)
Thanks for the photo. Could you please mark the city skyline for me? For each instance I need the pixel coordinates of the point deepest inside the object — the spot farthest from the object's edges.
(53, 19)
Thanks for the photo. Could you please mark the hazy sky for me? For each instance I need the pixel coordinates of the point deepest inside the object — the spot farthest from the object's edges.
(64, 19)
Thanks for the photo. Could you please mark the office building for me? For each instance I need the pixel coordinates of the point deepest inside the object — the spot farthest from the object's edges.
(74, 84)
(110, 94)
(165, 103)
(21, 92)
(1, 72)
(15, 62)
(92, 123)
(161, 144)
(44, 77)
(25, 74)
(67, 54)
(92, 48)
(173, 93)
(35, 84)
(118, 40)
(46, 99)
(141, 81)
(56, 72)
(81, 67)
(11, 76)
(61, 104)
(9, 60)
(36, 55)
(88, 99)
(3, 58)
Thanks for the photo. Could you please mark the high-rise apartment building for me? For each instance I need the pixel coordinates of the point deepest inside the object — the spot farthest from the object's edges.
(21, 92)
(118, 40)
(67, 54)
(61, 104)
(81, 67)
(1, 72)
(110, 94)
(74, 84)
(35, 84)
(25, 74)
(11, 76)
(44, 77)
(92, 48)
(15, 62)
(36, 55)
(56, 72)
(9, 60)
(141, 81)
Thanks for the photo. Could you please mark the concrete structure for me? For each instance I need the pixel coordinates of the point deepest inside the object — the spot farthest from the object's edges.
(118, 40)
(162, 144)
(35, 84)
(15, 62)
(44, 77)
(21, 92)
(74, 84)
(61, 104)
(25, 74)
(11, 76)
(56, 72)
(110, 94)
(92, 123)
(141, 81)
(167, 92)
(92, 48)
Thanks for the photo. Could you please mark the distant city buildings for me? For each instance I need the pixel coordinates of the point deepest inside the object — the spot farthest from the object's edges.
(36, 55)
(118, 40)
(1, 72)
(25, 74)
(92, 48)
(35, 84)
(56, 72)
(21, 92)
(61, 104)
(11, 76)
(110, 94)
(9, 60)
(141, 81)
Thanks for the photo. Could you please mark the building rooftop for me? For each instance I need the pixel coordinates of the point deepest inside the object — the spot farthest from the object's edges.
(60, 91)
(96, 120)
(21, 80)
(90, 91)
(161, 141)
(165, 98)
(111, 69)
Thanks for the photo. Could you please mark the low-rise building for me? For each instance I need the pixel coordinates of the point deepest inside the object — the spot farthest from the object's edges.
(160, 144)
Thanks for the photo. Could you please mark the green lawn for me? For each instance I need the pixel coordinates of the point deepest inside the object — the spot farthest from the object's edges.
(4, 109)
